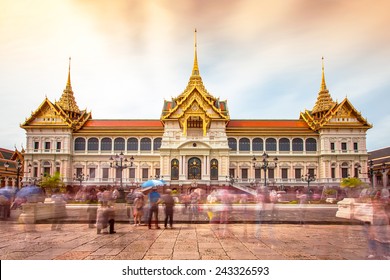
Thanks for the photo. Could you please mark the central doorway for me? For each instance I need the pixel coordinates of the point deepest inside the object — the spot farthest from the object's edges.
(194, 169)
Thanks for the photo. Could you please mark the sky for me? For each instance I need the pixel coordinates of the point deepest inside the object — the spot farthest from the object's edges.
(263, 56)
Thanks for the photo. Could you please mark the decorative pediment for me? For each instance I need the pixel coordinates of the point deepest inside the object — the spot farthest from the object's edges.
(343, 114)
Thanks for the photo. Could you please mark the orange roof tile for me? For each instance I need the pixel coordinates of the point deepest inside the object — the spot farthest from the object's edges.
(267, 123)
(122, 123)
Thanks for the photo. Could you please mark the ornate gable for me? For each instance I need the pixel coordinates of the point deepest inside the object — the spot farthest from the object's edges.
(47, 114)
(195, 107)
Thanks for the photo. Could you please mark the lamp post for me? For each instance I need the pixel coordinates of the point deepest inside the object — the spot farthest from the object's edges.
(119, 162)
(370, 172)
(18, 167)
(265, 164)
(80, 177)
(308, 178)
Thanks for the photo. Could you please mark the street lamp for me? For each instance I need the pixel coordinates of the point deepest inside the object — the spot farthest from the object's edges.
(80, 177)
(308, 178)
(18, 166)
(265, 164)
(119, 162)
(370, 171)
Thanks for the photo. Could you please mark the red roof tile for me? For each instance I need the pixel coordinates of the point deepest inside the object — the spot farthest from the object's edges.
(122, 123)
(267, 123)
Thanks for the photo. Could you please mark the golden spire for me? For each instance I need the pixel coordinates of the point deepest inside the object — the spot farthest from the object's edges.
(67, 101)
(323, 84)
(324, 100)
(195, 69)
(68, 85)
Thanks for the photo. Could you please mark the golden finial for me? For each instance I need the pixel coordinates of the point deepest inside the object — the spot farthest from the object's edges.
(195, 70)
(323, 84)
(68, 82)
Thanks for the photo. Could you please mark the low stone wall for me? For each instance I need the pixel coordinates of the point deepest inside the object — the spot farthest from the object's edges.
(33, 212)
(348, 208)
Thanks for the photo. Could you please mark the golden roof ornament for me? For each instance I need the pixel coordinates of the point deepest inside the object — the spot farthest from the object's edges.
(67, 101)
(324, 100)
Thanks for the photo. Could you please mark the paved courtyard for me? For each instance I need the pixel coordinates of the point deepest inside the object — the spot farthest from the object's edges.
(238, 241)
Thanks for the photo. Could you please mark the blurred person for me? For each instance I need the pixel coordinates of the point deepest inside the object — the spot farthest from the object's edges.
(379, 232)
(92, 208)
(273, 197)
(302, 197)
(59, 202)
(138, 209)
(226, 208)
(169, 203)
(193, 213)
(260, 211)
(105, 217)
(154, 200)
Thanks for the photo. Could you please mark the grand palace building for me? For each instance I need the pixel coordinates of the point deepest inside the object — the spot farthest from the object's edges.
(195, 142)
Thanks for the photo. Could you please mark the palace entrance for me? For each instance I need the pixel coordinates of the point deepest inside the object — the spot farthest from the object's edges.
(194, 169)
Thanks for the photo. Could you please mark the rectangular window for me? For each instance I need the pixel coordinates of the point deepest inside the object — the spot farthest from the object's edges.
(271, 173)
(35, 171)
(244, 174)
(46, 171)
(333, 173)
(92, 173)
(79, 171)
(132, 173)
(58, 148)
(355, 147)
(232, 173)
(284, 173)
(58, 169)
(344, 147)
(298, 173)
(36, 146)
(145, 174)
(105, 174)
(257, 173)
(344, 172)
(47, 146)
(157, 171)
(310, 171)
(118, 173)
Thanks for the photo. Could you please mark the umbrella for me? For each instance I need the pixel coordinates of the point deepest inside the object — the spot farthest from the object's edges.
(152, 183)
(31, 194)
(8, 192)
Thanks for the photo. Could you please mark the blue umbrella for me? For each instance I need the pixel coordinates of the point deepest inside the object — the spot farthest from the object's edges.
(8, 192)
(153, 183)
(29, 191)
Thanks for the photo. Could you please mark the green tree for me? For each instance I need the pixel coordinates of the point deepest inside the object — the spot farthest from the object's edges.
(50, 183)
(351, 182)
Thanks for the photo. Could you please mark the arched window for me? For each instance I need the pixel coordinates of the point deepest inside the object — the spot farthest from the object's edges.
(119, 144)
(79, 144)
(157, 144)
(270, 144)
(132, 144)
(232, 142)
(257, 144)
(311, 145)
(106, 144)
(174, 169)
(297, 145)
(214, 169)
(93, 144)
(244, 144)
(146, 144)
(284, 144)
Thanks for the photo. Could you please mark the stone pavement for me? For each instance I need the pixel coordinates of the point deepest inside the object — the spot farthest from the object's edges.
(238, 241)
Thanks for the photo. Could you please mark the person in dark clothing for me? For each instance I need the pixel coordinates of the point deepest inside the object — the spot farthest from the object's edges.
(169, 203)
(154, 199)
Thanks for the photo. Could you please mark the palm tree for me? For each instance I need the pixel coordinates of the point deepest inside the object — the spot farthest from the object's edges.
(50, 183)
